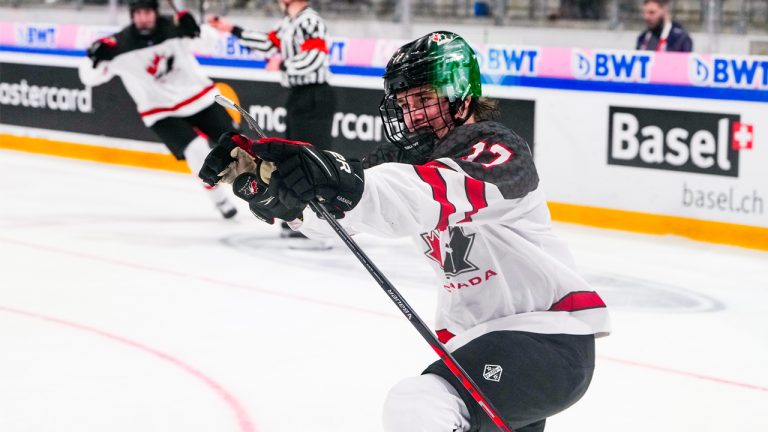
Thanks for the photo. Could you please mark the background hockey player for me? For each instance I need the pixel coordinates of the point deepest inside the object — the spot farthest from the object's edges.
(301, 41)
(154, 58)
(511, 307)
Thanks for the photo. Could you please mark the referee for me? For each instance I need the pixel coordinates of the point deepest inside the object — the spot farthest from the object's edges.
(301, 40)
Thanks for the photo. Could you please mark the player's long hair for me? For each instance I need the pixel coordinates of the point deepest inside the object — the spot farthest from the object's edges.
(487, 109)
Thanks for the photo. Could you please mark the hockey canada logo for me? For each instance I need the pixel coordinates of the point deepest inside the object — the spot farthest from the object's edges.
(492, 372)
(696, 142)
(441, 38)
(160, 66)
(453, 257)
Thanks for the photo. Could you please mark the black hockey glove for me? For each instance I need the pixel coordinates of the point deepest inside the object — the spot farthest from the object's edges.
(187, 25)
(229, 163)
(104, 49)
(262, 198)
(222, 157)
(304, 173)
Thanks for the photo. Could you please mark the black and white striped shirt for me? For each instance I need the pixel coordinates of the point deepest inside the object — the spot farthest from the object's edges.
(302, 43)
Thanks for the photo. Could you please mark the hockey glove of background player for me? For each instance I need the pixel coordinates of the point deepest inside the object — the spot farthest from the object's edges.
(229, 163)
(187, 25)
(305, 172)
(104, 49)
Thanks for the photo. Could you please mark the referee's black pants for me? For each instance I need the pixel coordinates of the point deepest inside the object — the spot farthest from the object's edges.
(309, 114)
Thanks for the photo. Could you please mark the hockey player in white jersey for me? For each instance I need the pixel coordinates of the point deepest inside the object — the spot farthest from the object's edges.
(154, 59)
(511, 307)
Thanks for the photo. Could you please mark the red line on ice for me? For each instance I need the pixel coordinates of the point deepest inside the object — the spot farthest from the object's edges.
(210, 280)
(683, 373)
(341, 306)
(244, 422)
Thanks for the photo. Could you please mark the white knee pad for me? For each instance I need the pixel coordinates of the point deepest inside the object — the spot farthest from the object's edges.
(426, 403)
(195, 154)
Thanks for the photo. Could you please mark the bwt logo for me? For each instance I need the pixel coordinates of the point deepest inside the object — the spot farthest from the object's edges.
(510, 61)
(612, 66)
(706, 143)
(36, 36)
(231, 47)
(338, 52)
(729, 71)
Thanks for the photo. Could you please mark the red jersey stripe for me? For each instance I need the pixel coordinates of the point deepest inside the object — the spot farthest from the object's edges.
(432, 177)
(578, 300)
(180, 104)
(437, 164)
(444, 335)
(476, 196)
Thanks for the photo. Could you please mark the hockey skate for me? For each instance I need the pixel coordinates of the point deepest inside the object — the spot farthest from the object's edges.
(227, 210)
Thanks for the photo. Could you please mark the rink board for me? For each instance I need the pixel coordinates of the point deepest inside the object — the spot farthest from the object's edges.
(608, 156)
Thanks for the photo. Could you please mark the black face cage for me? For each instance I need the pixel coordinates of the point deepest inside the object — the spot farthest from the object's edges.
(413, 128)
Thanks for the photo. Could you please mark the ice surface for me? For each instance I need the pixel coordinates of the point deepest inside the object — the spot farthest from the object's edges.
(128, 304)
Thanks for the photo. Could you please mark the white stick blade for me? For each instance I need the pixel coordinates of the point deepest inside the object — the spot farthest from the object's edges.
(226, 103)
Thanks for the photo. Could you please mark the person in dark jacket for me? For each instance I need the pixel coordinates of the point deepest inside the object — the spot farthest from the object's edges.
(661, 33)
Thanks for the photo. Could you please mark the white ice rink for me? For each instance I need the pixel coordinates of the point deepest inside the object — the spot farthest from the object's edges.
(128, 304)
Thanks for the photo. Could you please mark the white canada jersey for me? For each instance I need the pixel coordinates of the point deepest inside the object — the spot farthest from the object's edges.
(302, 44)
(479, 218)
(160, 73)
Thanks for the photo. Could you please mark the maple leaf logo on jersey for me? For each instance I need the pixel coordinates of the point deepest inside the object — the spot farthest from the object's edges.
(433, 242)
(453, 257)
(160, 66)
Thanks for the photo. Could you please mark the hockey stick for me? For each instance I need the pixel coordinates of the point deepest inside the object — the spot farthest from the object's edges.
(392, 292)
(172, 4)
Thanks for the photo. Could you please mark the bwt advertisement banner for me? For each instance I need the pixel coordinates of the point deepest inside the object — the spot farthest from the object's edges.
(500, 64)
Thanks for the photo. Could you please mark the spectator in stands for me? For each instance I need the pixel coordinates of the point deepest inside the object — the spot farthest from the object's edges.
(661, 33)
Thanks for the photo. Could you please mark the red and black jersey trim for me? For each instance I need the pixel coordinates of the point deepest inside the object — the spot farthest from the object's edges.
(437, 164)
(443, 335)
(577, 301)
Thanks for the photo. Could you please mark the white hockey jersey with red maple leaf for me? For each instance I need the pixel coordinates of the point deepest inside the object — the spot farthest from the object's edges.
(160, 72)
(481, 220)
